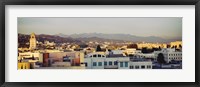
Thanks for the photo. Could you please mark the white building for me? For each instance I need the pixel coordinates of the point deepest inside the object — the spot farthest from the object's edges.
(38, 56)
(49, 43)
(140, 65)
(99, 61)
(130, 51)
(117, 51)
(169, 54)
(144, 55)
(116, 61)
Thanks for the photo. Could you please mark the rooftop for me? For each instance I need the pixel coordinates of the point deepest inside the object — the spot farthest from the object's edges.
(115, 55)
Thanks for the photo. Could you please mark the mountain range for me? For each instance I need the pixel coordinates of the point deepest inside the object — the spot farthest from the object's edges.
(123, 37)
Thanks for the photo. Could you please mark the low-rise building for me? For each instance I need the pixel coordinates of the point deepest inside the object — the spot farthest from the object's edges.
(130, 51)
(24, 65)
(170, 54)
(140, 63)
(115, 61)
(144, 55)
(76, 58)
(35, 55)
(99, 61)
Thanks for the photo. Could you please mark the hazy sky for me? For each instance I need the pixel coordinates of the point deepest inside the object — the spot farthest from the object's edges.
(164, 27)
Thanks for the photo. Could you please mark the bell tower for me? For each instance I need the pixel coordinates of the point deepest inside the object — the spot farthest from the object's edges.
(32, 41)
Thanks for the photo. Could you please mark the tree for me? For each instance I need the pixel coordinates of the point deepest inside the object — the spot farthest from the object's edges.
(155, 49)
(160, 59)
(130, 55)
(159, 48)
(83, 45)
(144, 50)
(180, 45)
(175, 47)
(132, 46)
(98, 48)
(85, 53)
(168, 46)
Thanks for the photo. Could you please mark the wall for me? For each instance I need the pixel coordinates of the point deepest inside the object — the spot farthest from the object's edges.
(145, 63)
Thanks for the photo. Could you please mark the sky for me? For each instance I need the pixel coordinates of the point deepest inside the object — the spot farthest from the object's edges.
(165, 27)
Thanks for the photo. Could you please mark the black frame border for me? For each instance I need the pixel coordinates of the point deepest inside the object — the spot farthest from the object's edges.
(99, 2)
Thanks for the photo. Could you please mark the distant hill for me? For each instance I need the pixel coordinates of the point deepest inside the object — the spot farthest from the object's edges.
(86, 37)
(23, 38)
(122, 37)
(97, 39)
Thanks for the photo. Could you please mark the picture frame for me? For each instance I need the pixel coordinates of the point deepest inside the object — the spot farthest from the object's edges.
(99, 2)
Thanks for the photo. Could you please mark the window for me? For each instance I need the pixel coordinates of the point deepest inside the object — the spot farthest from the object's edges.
(100, 63)
(148, 66)
(131, 67)
(115, 63)
(86, 64)
(94, 64)
(121, 64)
(143, 67)
(110, 63)
(94, 55)
(99, 55)
(105, 63)
(137, 67)
(126, 64)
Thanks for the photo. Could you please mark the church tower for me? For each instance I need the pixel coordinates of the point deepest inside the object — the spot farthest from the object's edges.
(32, 41)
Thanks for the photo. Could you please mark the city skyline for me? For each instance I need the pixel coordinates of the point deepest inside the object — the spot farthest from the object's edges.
(65, 54)
(99, 43)
(168, 28)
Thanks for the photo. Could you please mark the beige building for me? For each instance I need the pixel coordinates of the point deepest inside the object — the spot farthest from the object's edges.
(58, 56)
(24, 65)
(32, 41)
